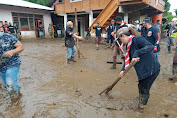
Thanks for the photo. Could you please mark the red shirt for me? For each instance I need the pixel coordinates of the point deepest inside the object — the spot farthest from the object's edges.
(5, 26)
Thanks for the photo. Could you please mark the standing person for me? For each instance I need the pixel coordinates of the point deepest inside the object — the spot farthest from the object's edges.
(69, 42)
(174, 30)
(174, 67)
(11, 29)
(2, 26)
(143, 30)
(147, 68)
(10, 63)
(50, 31)
(158, 26)
(153, 36)
(16, 29)
(174, 40)
(137, 25)
(41, 32)
(168, 34)
(98, 29)
(58, 30)
(110, 29)
(5, 27)
(119, 24)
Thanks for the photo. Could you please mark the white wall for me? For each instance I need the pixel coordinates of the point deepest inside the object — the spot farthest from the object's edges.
(6, 15)
(28, 34)
(47, 21)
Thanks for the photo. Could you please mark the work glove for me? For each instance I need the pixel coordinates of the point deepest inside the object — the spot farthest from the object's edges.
(155, 49)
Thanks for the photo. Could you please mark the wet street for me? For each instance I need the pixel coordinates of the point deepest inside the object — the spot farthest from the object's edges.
(53, 89)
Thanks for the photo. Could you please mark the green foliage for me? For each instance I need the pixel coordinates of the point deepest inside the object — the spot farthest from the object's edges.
(176, 11)
(168, 15)
(41, 2)
(167, 6)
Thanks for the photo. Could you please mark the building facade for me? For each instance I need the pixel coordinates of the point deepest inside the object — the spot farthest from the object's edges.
(91, 11)
(27, 16)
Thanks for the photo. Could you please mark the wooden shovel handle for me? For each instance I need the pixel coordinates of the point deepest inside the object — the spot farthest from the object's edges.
(120, 47)
(109, 88)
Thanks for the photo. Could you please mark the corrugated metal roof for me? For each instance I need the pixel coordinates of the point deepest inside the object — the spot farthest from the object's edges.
(22, 3)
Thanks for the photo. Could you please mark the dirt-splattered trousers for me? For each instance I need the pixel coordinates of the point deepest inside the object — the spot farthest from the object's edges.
(9, 79)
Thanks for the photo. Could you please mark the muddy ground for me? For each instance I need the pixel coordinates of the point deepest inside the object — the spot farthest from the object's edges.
(53, 89)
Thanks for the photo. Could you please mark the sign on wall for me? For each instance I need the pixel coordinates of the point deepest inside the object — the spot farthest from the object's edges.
(75, 0)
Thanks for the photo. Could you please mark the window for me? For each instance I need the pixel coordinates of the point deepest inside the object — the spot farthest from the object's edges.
(31, 23)
(15, 20)
(25, 22)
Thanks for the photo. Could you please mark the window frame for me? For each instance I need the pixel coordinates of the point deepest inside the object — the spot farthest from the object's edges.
(28, 17)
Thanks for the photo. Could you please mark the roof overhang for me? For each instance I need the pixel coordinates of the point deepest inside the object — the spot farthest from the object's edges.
(22, 3)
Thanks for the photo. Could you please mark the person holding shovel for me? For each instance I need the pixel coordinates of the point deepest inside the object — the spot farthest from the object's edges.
(10, 63)
(69, 42)
(119, 24)
(147, 68)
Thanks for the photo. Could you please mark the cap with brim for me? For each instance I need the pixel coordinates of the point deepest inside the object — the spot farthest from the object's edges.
(112, 20)
(122, 30)
(146, 21)
(136, 21)
(118, 18)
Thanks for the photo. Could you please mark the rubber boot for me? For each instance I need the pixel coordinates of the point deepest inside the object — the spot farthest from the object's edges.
(143, 99)
(114, 63)
(72, 59)
(174, 71)
(169, 49)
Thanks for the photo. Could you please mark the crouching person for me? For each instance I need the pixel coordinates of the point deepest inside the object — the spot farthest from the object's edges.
(10, 63)
(69, 42)
(147, 68)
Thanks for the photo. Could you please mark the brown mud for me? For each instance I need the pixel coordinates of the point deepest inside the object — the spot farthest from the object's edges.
(53, 89)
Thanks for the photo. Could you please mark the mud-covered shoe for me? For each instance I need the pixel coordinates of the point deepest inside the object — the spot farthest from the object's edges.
(113, 67)
(72, 59)
(97, 48)
(69, 61)
(143, 99)
(15, 96)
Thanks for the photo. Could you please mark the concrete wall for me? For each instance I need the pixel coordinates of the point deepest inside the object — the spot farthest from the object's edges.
(6, 15)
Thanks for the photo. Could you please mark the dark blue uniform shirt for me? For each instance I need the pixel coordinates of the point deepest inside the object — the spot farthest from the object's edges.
(148, 63)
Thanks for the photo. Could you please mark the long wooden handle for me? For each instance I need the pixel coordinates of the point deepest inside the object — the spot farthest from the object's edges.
(109, 88)
(120, 47)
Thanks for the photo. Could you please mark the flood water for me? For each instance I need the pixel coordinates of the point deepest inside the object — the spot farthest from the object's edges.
(53, 89)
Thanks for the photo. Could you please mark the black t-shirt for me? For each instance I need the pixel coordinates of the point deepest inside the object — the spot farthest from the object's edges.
(11, 29)
(110, 29)
(168, 27)
(69, 40)
(40, 28)
(98, 30)
(153, 36)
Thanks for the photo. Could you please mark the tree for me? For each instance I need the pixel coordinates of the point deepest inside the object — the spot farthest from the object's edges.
(176, 11)
(167, 6)
(41, 2)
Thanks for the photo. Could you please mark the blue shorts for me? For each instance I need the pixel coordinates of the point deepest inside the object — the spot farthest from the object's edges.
(41, 33)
